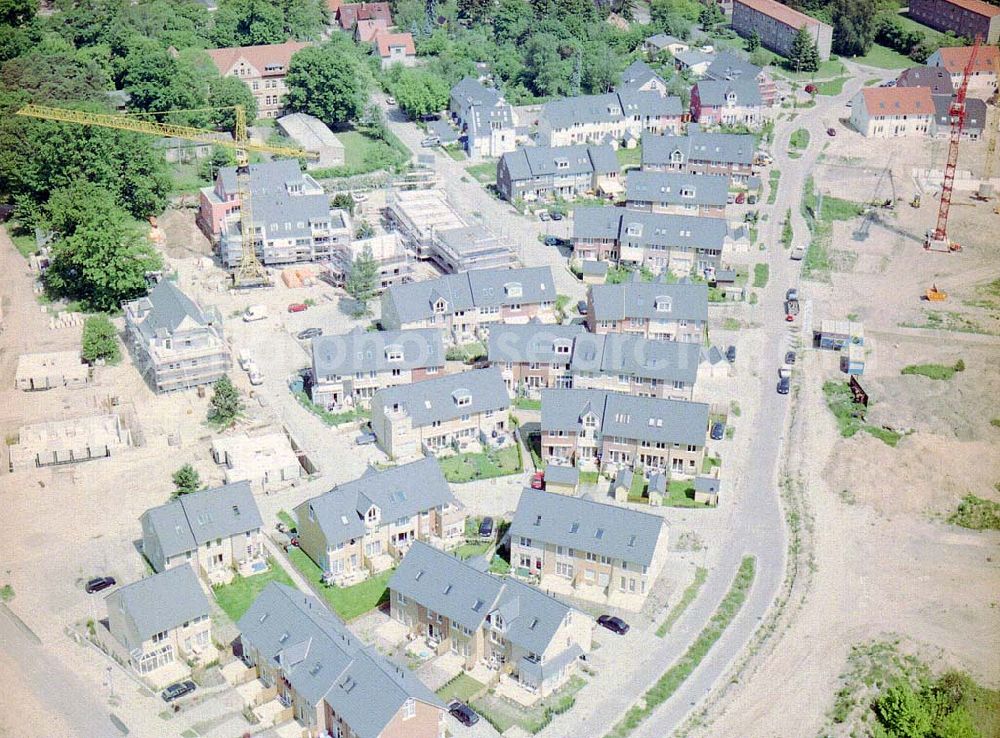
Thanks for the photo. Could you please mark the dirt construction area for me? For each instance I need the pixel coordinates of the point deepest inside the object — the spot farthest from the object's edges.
(880, 558)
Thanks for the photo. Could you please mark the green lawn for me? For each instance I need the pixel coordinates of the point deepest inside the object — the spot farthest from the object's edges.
(773, 179)
(486, 173)
(930, 34)
(456, 152)
(484, 465)
(466, 352)
(462, 688)
(829, 68)
(709, 463)
(236, 597)
(884, 58)
(934, 371)
(185, 179)
(589, 477)
(680, 493)
(629, 158)
(348, 602)
(499, 566)
(700, 575)
(287, 519)
(24, 244)
(799, 140)
(761, 274)
(831, 87)
(362, 152)
(637, 491)
(525, 403)
(471, 550)
(333, 419)
(503, 714)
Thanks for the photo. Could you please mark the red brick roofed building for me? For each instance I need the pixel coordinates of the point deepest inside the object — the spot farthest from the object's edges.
(777, 25)
(886, 112)
(348, 15)
(969, 18)
(954, 58)
(365, 31)
(395, 48)
(262, 68)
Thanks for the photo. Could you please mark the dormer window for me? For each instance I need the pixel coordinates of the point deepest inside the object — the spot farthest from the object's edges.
(462, 398)
(677, 157)
(372, 515)
(393, 353)
(687, 192)
(513, 289)
(662, 304)
(440, 305)
(562, 163)
(562, 348)
(634, 229)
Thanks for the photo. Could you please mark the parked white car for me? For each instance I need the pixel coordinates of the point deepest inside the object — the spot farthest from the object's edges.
(255, 312)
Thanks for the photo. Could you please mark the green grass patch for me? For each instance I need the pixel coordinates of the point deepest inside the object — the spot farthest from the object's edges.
(828, 68)
(934, 371)
(186, 179)
(236, 597)
(629, 158)
(636, 492)
(456, 152)
(483, 465)
(526, 403)
(499, 565)
(484, 173)
(976, 513)
(589, 477)
(730, 324)
(24, 244)
(884, 58)
(503, 714)
(831, 86)
(675, 675)
(288, 520)
(799, 140)
(461, 687)
(362, 153)
(946, 320)
(709, 463)
(471, 550)
(851, 416)
(680, 493)
(332, 419)
(772, 186)
(472, 351)
(761, 274)
(700, 575)
(348, 602)
(873, 81)
(620, 274)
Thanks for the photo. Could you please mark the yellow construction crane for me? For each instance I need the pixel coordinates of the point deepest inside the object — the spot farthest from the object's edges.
(250, 272)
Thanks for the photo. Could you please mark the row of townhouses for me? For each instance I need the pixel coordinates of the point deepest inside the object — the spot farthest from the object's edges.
(654, 310)
(699, 152)
(676, 193)
(541, 172)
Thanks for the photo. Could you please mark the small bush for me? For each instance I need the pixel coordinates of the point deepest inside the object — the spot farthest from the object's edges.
(761, 274)
(934, 371)
(6, 593)
(977, 513)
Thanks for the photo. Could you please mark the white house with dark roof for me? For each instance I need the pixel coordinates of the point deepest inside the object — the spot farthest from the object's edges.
(700, 152)
(327, 681)
(640, 77)
(449, 414)
(727, 66)
(655, 310)
(485, 117)
(533, 356)
(731, 103)
(660, 242)
(676, 193)
(176, 344)
(347, 370)
(660, 42)
(363, 527)
(530, 639)
(597, 119)
(465, 305)
(216, 531)
(635, 365)
(589, 550)
(543, 172)
(159, 623)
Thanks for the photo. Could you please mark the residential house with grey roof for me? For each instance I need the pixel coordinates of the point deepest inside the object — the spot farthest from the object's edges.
(937, 78)
(292, 217)
(465, 305)
(532, 639)
(598, 429)
(620, 362)
(175, 343)
(640, 77)
(543, 172)
(728, 66)
(676, 193)
(589, 550)
(727, 103)
(654, 310)
(363, 527)
(347, 370)
(659, 242)
(454, 413)
(217, 531)
(159, 622)
(326, 680)
(533, 356)
(975, 117)
(485, 117)
(694, 61)
(660, 42)
(597, 119)
(699, 152)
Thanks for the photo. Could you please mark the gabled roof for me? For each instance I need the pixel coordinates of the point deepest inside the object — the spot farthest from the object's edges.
(954, 58)
(694, 57)
(729, 66)
(349, 14)
(584, 525)
(636, 418)
(662, 40)
(635, 356)
(539, 161)
(268, 59)
(477, 288)
(649, 103)
(190, 520)
(471, 91)
(322, 660)
(667, 188)
(975, 113)
(385, 41)
(168, 308)
(274, 204)
(563, 112)
(561, 474)
(160, 602)
(639, 300)
(369, 351)
(438, 399)
(637, 74)
(532, 341)
(725, 148)
(714, 93)
(780, 12)
(976, 6)
(898, 100)
(398, 492)
(642, 229)
(937, 78)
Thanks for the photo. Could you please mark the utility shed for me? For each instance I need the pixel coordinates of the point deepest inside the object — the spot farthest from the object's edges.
(264, 460)
(593, 271)
(835, 334)
(69, 441)
(706, 490)
(561, 479)
(312, 134)
(55, 369)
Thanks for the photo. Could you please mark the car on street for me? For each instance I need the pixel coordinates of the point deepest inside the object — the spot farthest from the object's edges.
(797, 253)
(429, 117)
(99, 583)
(783, 385)
(365, 439)
(731, 354)
(255, 375)
(556, 215)
(791, 294)
(254, 313)
(784, 371)
(309, 333)
(718, 431)
(741, 198)
(390, 101)
(614, 624)
(581, 307)
(538, 480)
(551, 241)
(811, 89)
(463, 713)
(486, 528)
(544, 216)
(178, 690)
(789, 357)
(831, 131)
(297, 307)
(430, 142)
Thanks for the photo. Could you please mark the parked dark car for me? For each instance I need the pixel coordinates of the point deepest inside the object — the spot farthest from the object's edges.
(731, 354)
(178, 690)
(614, 624)
(100, 583)
(309, 333)
(463, 713)
(486, 528)
(581, 307)
(789, 357)
(718, 431)
(783, 385)
(365, 439)
(556, 215)
(831, 131)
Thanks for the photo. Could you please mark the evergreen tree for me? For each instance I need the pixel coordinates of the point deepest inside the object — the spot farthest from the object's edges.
(186, 480)
(753, 42)
(853, 27)
(363, 280)
(225, 406)
(804, 56)
(100, 340)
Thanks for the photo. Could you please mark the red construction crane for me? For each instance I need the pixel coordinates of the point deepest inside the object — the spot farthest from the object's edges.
(956, 114)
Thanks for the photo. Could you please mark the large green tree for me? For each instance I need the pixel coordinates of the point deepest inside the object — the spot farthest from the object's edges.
(419, 92)
(903, 713)
(100, 340)
(803, 56)
(186, 480)
(157, 81)
(326, 81)
(511, 20)
(248, 23)
(225, 406)
(853, 27)
(101, 256)
(227, 92)
(56, 77)
(547, 72)
(362, 282)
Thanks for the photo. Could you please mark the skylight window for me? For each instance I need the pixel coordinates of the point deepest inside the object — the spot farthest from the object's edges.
(419, 574)
(477, 605)
(599, 534)
(538, 520)
(575, 528)
(631, 541)
(447, 589)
